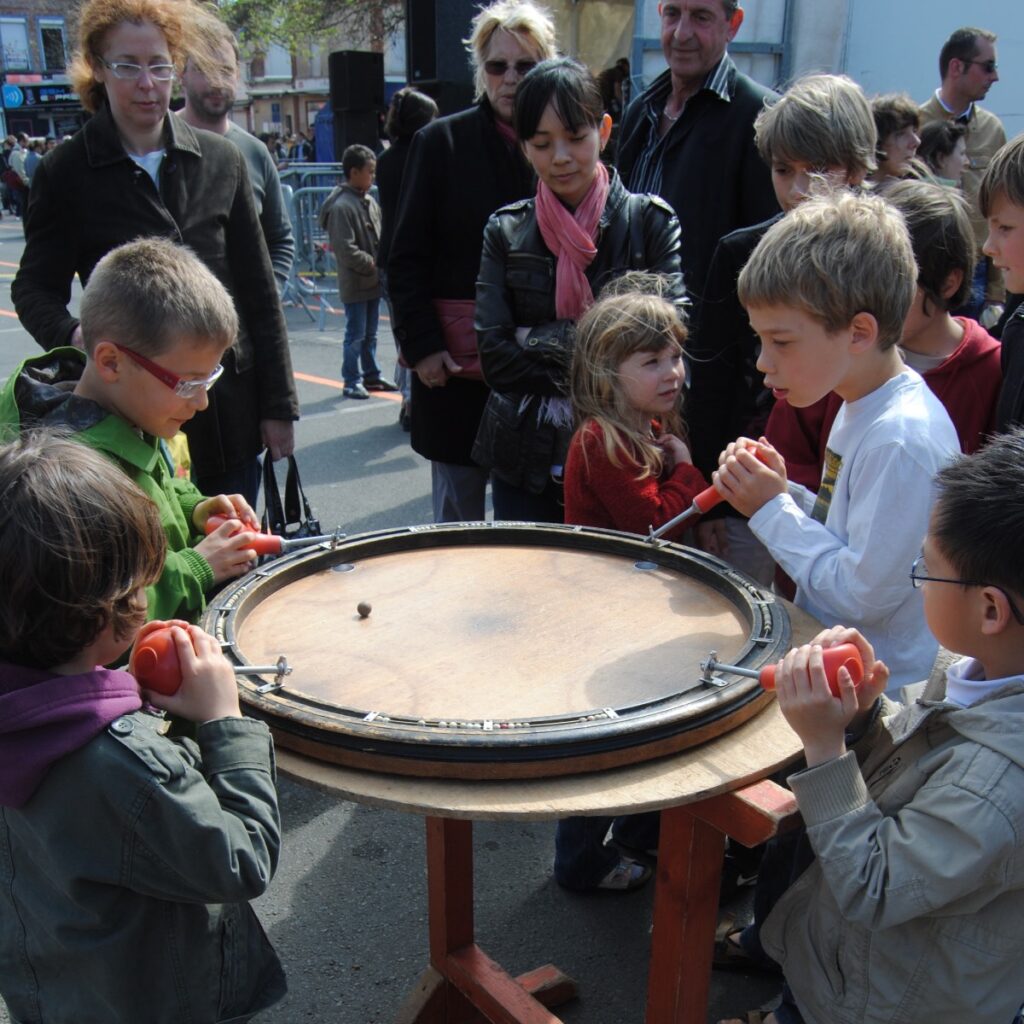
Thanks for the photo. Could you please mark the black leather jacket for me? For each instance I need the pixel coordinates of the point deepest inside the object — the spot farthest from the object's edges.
(516, 289)
(89, 197)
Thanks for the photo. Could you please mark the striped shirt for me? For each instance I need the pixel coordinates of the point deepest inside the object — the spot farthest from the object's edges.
(647, 172)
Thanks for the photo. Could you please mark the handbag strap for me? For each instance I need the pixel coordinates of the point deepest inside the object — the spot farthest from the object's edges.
(273, 520)
(296, 506)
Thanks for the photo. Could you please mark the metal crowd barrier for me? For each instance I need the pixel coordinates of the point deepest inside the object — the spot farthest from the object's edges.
(313, 276)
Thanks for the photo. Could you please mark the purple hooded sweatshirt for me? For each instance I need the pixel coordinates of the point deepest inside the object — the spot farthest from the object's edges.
(45, 717)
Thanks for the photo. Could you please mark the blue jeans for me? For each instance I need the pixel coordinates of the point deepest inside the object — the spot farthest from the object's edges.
(359, 361)
(582, 859)
(515, 505)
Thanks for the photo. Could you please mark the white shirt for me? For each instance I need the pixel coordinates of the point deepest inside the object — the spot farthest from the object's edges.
(849, 547)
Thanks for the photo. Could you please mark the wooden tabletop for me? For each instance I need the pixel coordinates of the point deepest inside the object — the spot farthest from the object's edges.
(753, 750)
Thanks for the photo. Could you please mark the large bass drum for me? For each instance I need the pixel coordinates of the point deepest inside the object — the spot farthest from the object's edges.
(507, 650)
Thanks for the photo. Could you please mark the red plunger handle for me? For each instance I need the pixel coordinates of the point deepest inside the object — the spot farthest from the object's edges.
(263, 543)
(711, 496)
(843, 655)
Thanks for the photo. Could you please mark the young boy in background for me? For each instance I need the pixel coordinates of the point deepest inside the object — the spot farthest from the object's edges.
(155, 323)
(128, 857)
(911, 907)
(823, 126)
(351, 217)
(1001, 198)
(828, 289)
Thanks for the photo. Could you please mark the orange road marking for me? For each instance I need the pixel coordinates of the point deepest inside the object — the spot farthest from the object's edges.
(309, 378)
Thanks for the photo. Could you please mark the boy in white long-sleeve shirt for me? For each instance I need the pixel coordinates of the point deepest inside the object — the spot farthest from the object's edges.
(827, 290)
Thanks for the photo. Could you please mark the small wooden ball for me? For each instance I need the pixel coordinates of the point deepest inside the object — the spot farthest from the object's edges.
(364, 608)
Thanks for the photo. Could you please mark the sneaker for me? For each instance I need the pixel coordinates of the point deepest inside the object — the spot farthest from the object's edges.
(626, 876)
(355, 391)
(380, 384)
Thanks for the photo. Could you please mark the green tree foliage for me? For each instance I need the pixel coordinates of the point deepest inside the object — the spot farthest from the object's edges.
(298, 24)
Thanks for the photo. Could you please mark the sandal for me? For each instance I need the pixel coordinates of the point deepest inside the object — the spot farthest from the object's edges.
(625, 876)
(730, 955)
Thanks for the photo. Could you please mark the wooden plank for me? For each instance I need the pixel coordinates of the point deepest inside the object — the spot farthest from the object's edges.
(501, 999)
(434, 1000)
(751, 815)
(685, 909)
(549, 985)
(449, 886)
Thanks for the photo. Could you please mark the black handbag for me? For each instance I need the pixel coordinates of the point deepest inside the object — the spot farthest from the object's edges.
(293, 517)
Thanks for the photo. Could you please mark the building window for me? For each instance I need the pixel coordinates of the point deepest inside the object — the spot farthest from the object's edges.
(14, 44)
(52, 45)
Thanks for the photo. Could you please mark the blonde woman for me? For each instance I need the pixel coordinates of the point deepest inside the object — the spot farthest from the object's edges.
(461, 169)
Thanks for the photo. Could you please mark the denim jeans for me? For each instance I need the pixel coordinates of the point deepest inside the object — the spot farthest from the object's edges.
(582, 859)
(359, 361)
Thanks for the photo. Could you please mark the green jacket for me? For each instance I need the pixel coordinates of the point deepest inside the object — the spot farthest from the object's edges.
(39, 393)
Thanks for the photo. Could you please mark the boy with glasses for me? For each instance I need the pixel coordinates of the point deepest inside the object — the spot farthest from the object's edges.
(911, 905)
(155, 324)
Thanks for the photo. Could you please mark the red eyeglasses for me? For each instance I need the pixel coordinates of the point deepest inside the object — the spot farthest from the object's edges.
(182, 388)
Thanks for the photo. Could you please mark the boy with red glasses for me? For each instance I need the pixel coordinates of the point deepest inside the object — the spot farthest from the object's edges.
(155, 324)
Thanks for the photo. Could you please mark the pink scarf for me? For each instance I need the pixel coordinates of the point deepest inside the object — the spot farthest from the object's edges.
(507, 133)
(570, 236)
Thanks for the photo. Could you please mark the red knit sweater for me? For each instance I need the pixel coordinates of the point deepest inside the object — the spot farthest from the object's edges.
(600, 494)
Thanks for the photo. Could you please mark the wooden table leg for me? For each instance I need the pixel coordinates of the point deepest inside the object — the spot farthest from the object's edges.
(463, 985)
(685, 911)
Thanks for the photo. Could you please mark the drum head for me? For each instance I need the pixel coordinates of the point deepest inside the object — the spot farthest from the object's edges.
(504, 651)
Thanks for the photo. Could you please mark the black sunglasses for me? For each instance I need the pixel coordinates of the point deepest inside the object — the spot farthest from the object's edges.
(499, 68)
(987, 66)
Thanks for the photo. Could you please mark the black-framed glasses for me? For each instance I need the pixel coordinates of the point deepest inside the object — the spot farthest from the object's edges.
(919, 575)
(187, 389)
(989, 66)
(499, 68)
(132, 72)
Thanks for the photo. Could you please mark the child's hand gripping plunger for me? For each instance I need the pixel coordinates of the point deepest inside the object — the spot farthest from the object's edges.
(702, 504)
(155, 663)
(842, 656)
(271, 544)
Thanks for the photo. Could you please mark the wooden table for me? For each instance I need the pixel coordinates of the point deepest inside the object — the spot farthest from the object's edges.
(704, 794)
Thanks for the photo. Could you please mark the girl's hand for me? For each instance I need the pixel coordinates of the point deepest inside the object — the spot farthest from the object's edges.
(233, 506)
(208, 688)
(674, 449)
(148, 627)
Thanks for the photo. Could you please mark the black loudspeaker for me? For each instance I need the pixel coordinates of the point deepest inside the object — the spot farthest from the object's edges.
(357, 80)
(352, 126)
(434, 52)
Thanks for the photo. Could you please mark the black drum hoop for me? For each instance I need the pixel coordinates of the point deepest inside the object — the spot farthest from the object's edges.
(559, 744)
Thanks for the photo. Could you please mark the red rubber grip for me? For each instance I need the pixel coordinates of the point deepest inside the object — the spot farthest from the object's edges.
(154, 662)
(263, 543)
(711, 496)
(844, 655)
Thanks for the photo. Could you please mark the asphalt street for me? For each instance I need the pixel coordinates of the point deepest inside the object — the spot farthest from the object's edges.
(347, 908)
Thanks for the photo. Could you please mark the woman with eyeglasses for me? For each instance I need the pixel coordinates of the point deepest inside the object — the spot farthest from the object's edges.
(461, 168)
(136, 170)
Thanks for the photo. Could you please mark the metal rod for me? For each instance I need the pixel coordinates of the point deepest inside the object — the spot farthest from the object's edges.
(291, 543)
(654, 534)
(711, 665)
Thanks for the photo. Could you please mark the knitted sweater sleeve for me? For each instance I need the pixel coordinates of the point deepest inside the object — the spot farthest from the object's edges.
(599, 493)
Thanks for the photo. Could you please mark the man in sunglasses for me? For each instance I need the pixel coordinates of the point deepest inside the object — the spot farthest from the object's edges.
(968, 66)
